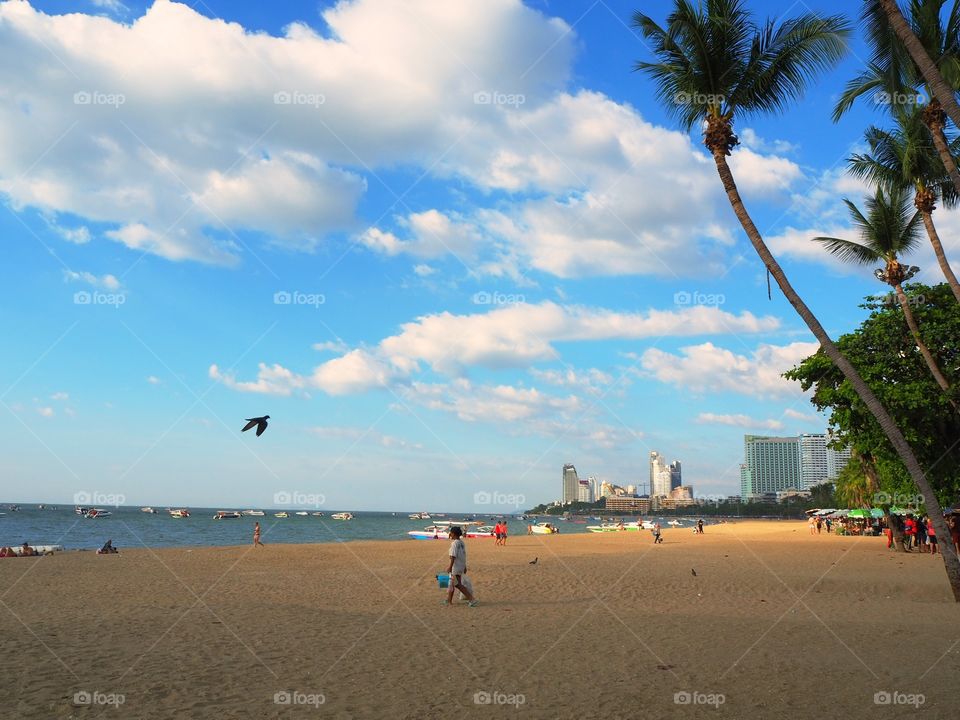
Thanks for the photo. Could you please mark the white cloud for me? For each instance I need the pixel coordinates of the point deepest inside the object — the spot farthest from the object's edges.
(708, 368)
(749, 139)
(743, 421)
(805, 417)
(592, 381)
(60, 396)
(511, 336)
(337, 346)
(177, 147)
(46, 412)
(109, 282)
(114, 6)
(153, 380)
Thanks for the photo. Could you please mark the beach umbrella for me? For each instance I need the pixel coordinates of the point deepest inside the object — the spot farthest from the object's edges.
(859, 513)
(876, 513)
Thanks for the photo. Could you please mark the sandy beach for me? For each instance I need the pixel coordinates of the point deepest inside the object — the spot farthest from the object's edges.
(775, 624)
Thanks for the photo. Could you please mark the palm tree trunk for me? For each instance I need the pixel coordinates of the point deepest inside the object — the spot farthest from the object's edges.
(941, 90)
(950, 560)
(938, 251)
(921, 345)
(943, 149)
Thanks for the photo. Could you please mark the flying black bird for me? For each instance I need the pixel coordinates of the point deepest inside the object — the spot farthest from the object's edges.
(260, 422)
(534, 561)
(693, 571)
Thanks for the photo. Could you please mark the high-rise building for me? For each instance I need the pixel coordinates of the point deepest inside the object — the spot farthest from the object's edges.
(571, 484)
(660, 475)
(820, 463)
(675, 480)
(585, 491)
(771, 464)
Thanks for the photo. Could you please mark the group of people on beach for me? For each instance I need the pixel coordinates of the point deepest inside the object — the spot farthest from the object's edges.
(500, 532)
(25, 551)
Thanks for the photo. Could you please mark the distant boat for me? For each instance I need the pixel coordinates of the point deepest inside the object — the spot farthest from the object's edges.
(301, 512)
(342, 516)
(93, 513)
(180, 513)
(544, 528)
(226, 515)
(419, 516)
(317, 514)
(433, 532)
(281, 514)
(620, 526)
(484, 531)
(80, 510)
(254, 513)
(149, 510)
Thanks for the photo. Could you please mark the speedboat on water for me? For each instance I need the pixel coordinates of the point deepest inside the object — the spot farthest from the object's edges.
(483, 531)
(281, 514)
(621, 527)
(433, 532)
(180, 513)
(149, 510)
(317, 514)
(80, 510)
(419, 516)
(97, 513)
(226, 515)
(302, 513)
(544, 528)
(253, 513)
(342, 516)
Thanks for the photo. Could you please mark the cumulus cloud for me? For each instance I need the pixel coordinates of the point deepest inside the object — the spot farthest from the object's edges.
(175, 149)
(108, 282)
(742, 421)
(512, 336)
(46, 412)
(709, 368)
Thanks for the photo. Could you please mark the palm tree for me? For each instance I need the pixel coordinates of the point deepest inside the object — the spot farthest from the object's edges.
(904, 158)
(887, 231)
(908, 55)
(714, 61)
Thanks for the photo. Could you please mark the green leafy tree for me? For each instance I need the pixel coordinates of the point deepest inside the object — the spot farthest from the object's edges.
(715, 63)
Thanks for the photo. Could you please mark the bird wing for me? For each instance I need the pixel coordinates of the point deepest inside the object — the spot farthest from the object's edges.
(249, 425)
(261, 426)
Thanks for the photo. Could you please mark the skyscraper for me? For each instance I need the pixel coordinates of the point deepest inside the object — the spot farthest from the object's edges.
(571, 484)
(675, 480)
(820, 463)
(585, 491)
(771, 464)
(660, 475)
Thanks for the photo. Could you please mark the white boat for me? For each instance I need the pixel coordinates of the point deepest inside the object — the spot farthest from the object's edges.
(440, 531)
(253, 513)
(80, 510)
(317, 514)
(419, 516)
(180, 513)
(148, 510)
(342, 516)
(483, 531)
(621, 527)
(93, 513)
(226, 515)
(544, 528)
(281, 514)
(302, 513)
(675, 523)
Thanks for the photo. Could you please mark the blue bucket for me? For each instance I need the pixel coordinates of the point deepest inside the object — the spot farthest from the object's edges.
(443, 581)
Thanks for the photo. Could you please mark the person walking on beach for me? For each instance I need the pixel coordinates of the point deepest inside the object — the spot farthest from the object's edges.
(657, 537)
(700, 526)
(954, 526)
(819, 524)
(932, 537)
(921, 533)
(503, 532)
(457, 568)
(256, 535)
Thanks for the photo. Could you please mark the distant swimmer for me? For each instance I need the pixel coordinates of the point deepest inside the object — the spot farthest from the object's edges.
(260, 422)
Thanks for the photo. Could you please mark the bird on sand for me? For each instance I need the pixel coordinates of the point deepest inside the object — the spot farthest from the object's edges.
(259, 422)
(534, 561)
(693, 571)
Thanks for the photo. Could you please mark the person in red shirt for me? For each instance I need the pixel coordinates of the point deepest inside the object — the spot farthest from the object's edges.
(910, 531)
(932, 537)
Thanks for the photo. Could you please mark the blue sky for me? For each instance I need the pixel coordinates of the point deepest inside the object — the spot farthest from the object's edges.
(447, 248)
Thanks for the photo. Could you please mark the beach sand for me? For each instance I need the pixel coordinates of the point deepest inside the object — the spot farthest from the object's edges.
(776, 624)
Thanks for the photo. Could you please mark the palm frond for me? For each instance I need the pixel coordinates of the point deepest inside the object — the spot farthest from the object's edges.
(849, 251)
